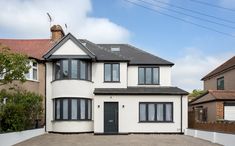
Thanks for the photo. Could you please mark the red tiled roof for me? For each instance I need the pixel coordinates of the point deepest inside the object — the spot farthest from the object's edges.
(212, 95)
(222, 68)
(34, 48)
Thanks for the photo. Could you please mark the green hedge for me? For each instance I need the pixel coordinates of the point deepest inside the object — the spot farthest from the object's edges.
(21, 110)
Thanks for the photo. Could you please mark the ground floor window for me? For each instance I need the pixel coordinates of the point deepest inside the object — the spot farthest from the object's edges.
(72, 109)
(155, 111)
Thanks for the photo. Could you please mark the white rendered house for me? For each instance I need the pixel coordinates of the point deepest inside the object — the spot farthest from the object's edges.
(110, 88)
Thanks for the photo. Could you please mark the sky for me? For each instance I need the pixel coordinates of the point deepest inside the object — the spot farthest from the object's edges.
(195, 50)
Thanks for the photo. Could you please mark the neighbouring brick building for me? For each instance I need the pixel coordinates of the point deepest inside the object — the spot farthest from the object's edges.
(34, 49)
(218, 103)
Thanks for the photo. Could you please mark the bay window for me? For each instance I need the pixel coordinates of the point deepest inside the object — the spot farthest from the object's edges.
(156, 112)
(72, 69)
(72, 109)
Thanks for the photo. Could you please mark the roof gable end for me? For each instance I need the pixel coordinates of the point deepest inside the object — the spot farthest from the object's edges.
(69, 46)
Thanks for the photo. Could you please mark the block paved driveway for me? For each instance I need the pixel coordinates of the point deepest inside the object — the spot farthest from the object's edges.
(114, 140)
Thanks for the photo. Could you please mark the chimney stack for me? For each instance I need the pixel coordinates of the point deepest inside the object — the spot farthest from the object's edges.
(56, 33)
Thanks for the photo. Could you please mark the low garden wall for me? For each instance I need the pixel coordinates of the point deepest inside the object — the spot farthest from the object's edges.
(215, 137)
(8, 139)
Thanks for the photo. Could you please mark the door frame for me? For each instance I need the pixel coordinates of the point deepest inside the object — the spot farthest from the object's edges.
(117, 118)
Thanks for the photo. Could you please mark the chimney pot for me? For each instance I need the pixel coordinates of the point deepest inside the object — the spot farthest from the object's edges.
(56, 33)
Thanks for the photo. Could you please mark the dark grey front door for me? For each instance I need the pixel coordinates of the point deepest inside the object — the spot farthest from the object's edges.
(111, 117)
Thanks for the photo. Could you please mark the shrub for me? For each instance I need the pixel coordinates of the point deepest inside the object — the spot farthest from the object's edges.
(21, 111)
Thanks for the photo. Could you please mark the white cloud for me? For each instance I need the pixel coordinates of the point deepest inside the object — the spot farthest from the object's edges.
(227, 3)
(27, 19)
(192, 66)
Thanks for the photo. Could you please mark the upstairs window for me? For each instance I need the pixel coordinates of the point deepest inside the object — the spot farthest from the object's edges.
(220, 83)
(148, 76)
(111, 72)
(72, 69)
(33, 71)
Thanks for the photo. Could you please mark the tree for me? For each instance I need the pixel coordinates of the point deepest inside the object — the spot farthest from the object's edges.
(195, 93)
(13, 66)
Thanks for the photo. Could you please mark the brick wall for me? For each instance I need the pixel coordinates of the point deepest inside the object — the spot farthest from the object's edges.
(219, 126)
(219, 110)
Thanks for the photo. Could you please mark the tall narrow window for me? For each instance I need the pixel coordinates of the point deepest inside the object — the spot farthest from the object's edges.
(65, 72)
(82, 70)
(65, 109)
(57, 109)
(220, 83)
(35, 71)
(74, 110)
(57, 70)
(148, 75)
(151, 112)
(168, 112)
(89, 109)
(74, 69)
(111, 72)
(82, 109)
(142, 112)
(160, 112)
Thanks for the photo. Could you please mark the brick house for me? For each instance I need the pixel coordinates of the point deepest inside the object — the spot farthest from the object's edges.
(218, 103)
(34, 49)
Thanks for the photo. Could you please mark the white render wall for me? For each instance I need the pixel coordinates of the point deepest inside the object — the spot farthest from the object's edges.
(69, 48)
(98, 76)
(129, 115)
(66, 88)
(165, 76)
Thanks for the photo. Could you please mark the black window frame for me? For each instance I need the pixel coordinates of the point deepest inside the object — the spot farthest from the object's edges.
(111, 73)
(155, 116)
(219, 80)
(88, 65)
(152, 82)
(70, 109)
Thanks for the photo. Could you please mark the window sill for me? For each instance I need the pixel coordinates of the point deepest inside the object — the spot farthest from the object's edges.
(32, 80)
(71, 120)
(71, 80)
(111, 82)
(156, 122)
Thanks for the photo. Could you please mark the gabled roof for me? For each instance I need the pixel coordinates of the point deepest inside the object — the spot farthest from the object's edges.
(136, 55)
(228, 65)
(140, 91)
(212, 95)
(62, 41)
(34, 48)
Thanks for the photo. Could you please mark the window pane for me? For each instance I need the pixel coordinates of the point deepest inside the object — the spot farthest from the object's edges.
(168, 112)
(159, 112)
(82, 70)
(74, 69)
(155, 75)
(220, 83)
(89, 109)
(65, 108)
(57, 109)
(142, 112)
(74, 110)
(57, 70)
(148, 76)
(151, 112)
(82, 109)
(89, 71)
(65, 69)
(35, 74)
(141, 75)
(35, 64)
(115, 72)
(107, 72)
